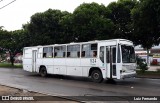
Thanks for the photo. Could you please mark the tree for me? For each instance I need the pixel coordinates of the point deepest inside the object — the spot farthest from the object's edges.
(90, 22)
(2, 50)
(120, 14)
(1, 27)
(45, 28)
(66, 23)
(2, 54)
(12, 42)
(146, 23)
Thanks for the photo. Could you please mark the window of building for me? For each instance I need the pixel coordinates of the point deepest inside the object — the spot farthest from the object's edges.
(73, 51)
(60, 52)
(89, 50)
(47, 52)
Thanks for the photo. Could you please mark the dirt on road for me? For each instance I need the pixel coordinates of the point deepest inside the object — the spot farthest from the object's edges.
(9, 91)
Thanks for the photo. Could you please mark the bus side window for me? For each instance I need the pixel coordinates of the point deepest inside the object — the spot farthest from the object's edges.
(47, 52)
(55, 54)
(40, 53)
(83, 54)
(64, 54)
(94, 50)
(60, 51)
(90, 50)
(78, 54)
(94, 53)
(73, 51)
(44, 55)
(101, 55)
(118, 55)
(85, 50)
(114, 54)
(107, 55)
(68, 54)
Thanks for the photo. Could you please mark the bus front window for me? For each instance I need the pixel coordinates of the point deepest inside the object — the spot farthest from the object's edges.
(128, 54)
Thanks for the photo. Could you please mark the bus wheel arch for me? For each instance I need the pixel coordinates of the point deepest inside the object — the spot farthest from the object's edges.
(96, 74)
(43, 71)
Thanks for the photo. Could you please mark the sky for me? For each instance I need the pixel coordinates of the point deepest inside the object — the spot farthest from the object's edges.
(19, 12)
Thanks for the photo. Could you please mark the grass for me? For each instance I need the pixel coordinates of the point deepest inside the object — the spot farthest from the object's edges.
(8, 65)
(150, 74)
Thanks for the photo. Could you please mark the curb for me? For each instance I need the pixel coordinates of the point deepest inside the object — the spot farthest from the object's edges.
(55, 95)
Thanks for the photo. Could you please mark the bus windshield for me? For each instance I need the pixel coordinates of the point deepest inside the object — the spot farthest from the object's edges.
(128, 54)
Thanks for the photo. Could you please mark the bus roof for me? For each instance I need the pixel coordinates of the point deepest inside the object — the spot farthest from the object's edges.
(95, 41)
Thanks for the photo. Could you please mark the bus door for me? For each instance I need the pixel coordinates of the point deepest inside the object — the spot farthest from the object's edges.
(34, 58)
(111, 64)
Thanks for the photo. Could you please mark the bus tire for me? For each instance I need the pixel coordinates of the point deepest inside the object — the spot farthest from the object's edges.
(96, 76)
(43, 72)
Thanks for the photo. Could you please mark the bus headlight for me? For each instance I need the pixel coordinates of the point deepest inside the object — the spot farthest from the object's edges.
(124, 69)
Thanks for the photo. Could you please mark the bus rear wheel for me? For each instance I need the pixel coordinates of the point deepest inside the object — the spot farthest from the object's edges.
(96, 76)
(43, 72)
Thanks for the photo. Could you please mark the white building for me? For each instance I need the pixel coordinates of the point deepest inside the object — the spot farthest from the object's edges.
(154, 53)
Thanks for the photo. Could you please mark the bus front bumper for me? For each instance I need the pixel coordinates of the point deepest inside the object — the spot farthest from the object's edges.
(128, 75)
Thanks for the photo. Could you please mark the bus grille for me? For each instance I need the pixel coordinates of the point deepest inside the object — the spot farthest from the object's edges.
(129, 68)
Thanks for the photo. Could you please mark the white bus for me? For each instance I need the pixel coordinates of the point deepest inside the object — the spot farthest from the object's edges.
(104, 59)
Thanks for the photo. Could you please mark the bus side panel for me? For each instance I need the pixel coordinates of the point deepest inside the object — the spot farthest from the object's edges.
(88, 63)
(27, 59)
(85, 62)
(39, 63)
(74, 66)
(60, 66)
(27, 64)
(103, 68)
(39, 60)
(48, 63)
(119, 66)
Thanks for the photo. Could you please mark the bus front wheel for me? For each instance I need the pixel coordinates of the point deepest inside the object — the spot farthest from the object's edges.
(43, 72)
(96, 76)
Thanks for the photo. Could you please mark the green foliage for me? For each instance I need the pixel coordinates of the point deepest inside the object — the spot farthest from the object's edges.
(142, 65)
(148, 73)
(90, 22)
(146, 21)
(7, 65)
(12, 42)
(45, 28)
(129, 19)
(67, 34)
(120, 14)
(2, 54)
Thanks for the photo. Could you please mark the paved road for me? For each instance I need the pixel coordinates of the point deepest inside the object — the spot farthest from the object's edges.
(76, 86)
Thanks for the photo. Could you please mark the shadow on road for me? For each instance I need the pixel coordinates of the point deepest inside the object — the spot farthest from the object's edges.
(130, 81)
